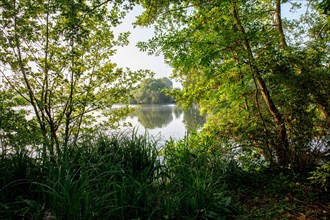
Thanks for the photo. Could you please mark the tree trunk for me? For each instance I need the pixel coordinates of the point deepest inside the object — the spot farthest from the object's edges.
(282, 149)
(279, 24)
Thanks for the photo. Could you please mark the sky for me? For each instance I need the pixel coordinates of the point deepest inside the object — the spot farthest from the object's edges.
(130, 56)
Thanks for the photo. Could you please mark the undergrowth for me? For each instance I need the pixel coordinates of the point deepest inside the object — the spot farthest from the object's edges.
(127, 176)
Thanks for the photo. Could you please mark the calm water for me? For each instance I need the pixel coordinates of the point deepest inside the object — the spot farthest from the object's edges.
(164, 121)
(160, 121)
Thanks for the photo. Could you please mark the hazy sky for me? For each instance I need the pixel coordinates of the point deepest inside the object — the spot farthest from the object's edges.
(130, 56)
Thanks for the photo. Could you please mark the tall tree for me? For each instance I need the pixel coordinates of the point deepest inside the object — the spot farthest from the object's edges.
(262, 79)
(56, 55)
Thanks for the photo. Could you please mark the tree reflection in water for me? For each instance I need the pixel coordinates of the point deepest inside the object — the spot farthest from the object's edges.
(193, 120)
(154, 116)
(159, 116)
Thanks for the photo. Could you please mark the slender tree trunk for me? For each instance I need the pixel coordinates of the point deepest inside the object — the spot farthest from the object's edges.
(36, 104)
(282, 149)
(279, 24)
(72, 79)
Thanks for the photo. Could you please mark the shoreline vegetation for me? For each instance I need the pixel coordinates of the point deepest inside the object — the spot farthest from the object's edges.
(122, 177)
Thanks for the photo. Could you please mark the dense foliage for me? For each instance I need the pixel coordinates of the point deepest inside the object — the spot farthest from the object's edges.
(152, 91)
(263, 79)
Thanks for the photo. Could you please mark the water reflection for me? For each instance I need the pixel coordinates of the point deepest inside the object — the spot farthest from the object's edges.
(178, 112)
(169, 120)
(193, 120)
(154, 116)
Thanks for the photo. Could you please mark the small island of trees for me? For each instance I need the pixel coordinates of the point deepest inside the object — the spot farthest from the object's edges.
(153, 91)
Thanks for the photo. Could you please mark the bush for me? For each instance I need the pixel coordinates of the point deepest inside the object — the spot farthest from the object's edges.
(321, 176)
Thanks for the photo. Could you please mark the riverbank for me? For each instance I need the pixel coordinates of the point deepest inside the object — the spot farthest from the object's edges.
(120, 177)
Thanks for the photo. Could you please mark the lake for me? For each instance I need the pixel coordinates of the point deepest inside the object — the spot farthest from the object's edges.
(164, 121)
(159, 121)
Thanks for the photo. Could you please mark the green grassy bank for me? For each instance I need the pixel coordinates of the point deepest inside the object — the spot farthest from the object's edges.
(123, 177)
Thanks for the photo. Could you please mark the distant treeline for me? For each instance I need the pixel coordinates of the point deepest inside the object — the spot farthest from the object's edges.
(153, 91)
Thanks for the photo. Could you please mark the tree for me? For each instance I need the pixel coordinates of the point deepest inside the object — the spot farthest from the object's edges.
(262, 80)
(56, 56)
(152, 91)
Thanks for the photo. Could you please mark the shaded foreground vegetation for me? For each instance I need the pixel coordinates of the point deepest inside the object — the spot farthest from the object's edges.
(127, 177)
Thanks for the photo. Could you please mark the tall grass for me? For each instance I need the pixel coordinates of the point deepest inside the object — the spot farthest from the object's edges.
(106, 178)
(196, 183)
(116, 177)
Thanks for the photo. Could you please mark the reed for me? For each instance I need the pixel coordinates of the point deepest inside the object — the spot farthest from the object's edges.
(116, 177)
